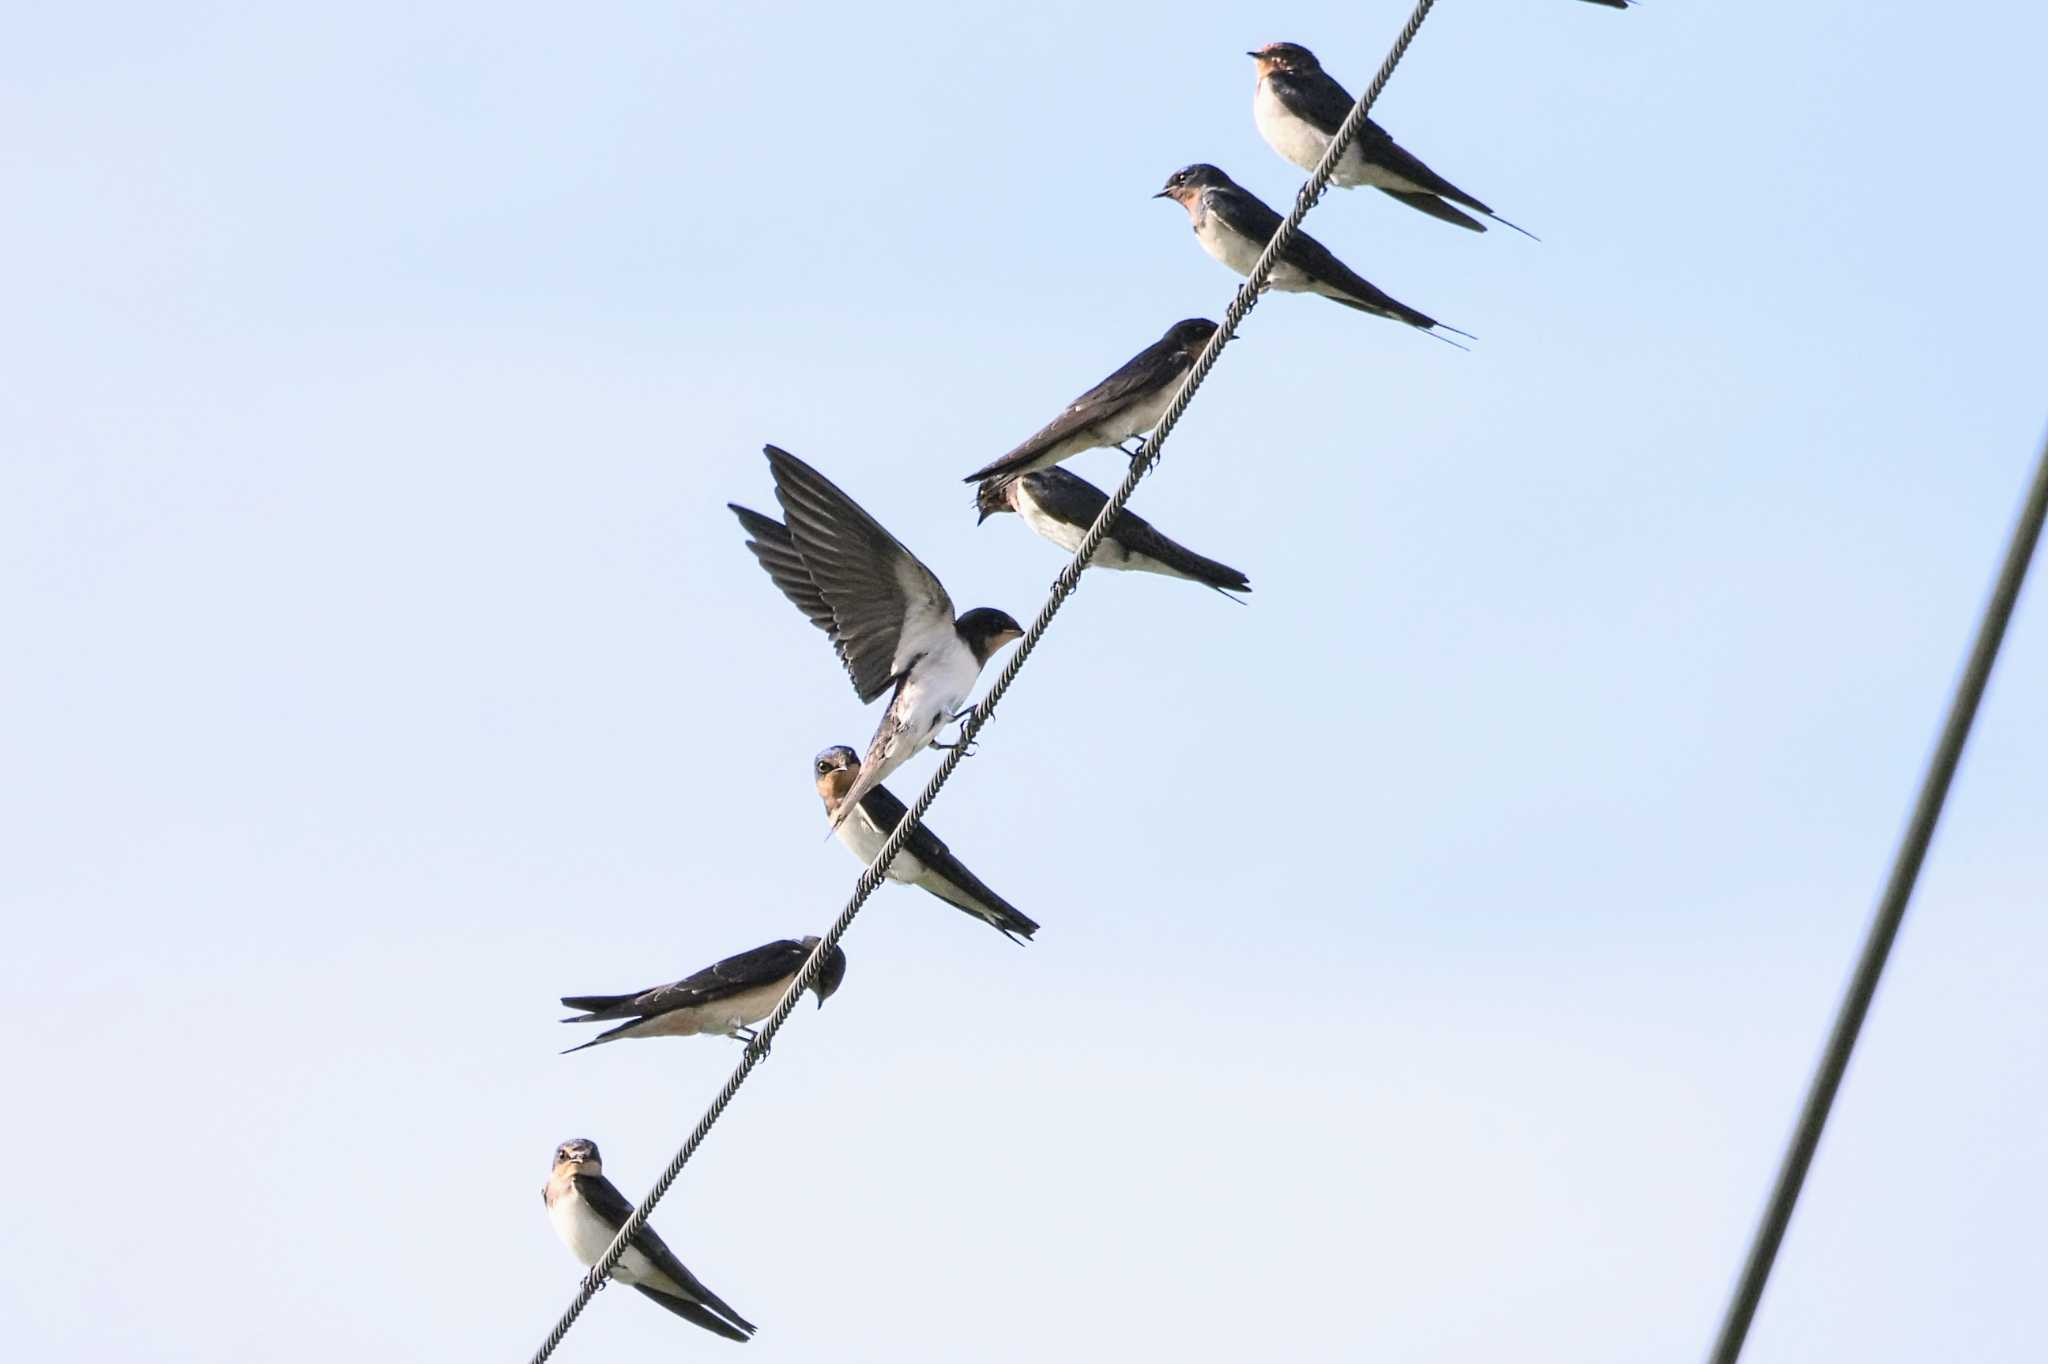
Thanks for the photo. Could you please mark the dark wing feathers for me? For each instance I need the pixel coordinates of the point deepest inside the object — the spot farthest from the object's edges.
(1142, 374)
(771, 545)
(607, 1202)
(1245, 213)
(876, 589)
(1436, 208)
(693, 1313)
(1078, 502)
(881, 806)
(742, 971)
(1318, 100)
(1381, 150)
(1324, 104)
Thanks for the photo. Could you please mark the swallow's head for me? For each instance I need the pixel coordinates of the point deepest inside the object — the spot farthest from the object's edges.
(831, 971)
(1292, 58)
(1185, 185)
(835, 771)
(578, 1156)
(986, 630)
(995, 495)
(1191, 335)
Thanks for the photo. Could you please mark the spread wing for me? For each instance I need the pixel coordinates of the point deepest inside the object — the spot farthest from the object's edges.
(770, 542)
(879, 594)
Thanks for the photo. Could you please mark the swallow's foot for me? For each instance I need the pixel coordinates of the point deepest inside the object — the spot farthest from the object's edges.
(947, 748)
(743, 1035)
(757, 1046)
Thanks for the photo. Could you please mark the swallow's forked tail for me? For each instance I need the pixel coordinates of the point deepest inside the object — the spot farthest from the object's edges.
(698, 1314)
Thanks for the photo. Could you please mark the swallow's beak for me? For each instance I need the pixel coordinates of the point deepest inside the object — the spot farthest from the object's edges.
(1164, 194)
(1251, 54)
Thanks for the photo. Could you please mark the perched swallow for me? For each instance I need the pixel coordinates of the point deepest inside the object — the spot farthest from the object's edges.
(1061, 507)
(587, 1211)
(924, 860)
(725, 999)
(1298, 107)
(1234, 225)
(1128, 403)
(889, 619)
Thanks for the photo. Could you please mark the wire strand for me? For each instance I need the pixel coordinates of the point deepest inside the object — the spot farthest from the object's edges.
(1884, 925)
(1063, 587)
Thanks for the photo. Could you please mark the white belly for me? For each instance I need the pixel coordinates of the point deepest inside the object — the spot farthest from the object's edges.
(1067, 537)
(863, 839)
(936, 690)
(720, 1018)
(588, 1236)
(1235, 250)
(1301, 141)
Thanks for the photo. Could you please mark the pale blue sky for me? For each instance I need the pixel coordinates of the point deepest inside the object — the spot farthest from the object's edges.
(1433, 951)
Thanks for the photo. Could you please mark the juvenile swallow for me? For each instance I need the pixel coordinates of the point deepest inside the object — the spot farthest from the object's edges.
(889, 619)
(1298, 107)
(924, 860)
(1234, 225)
(1128, 403)
(1061, 507)
(725, 999)
(587, 1211)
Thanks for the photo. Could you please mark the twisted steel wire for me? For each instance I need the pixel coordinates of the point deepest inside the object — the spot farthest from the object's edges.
(1884, 925)
(1063, 587)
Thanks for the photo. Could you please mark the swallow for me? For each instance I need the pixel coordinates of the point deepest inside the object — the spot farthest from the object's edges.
(1234, 225)
(724, 999)
(887, 615)
(1298, 107)
(1128, 403)
(924, 860)
(587, 1211)
(1061, 507)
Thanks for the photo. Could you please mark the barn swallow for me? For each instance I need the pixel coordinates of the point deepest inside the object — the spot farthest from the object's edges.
(587, 1211)
(724, 999)
(1128, 403)
(1061, 507)
(889, 619)
(924, 860)
(1298, 107)
(1234, 225)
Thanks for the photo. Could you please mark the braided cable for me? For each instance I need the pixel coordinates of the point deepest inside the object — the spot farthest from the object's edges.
(1884, 924)
(1063, 587)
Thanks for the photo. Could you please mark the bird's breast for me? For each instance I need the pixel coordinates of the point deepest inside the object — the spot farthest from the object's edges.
(863, 838)
(585, 1233)
(1285, 131)
(1233, 248)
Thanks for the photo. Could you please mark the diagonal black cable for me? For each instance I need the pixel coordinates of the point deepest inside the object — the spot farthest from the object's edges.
(1884, 927)
(1069, 579)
